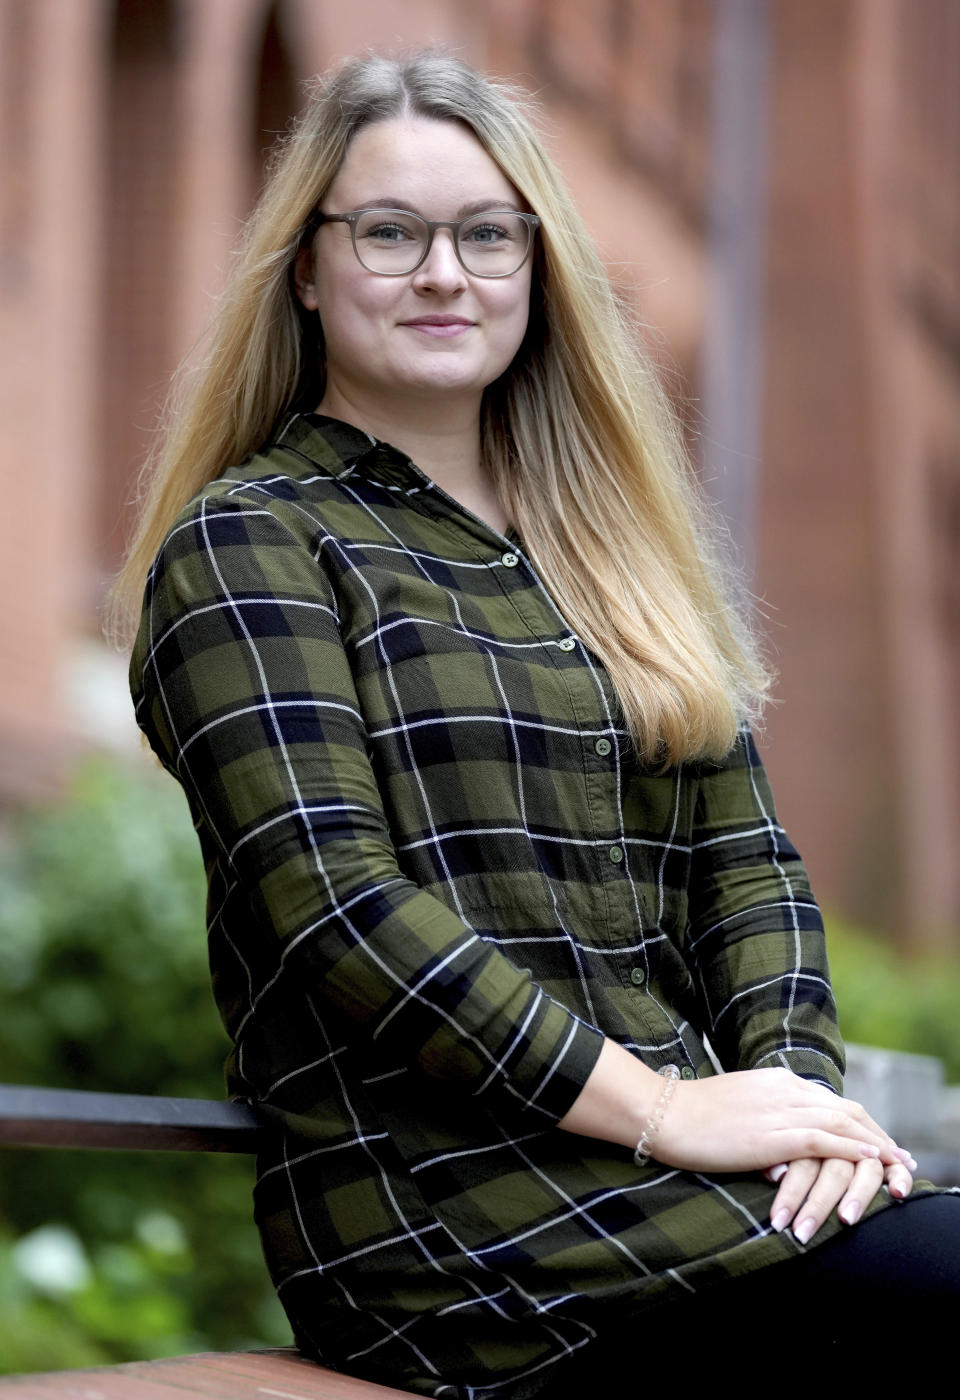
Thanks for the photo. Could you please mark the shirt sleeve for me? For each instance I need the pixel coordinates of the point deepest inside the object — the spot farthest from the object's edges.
(244, 690)
(755, 937)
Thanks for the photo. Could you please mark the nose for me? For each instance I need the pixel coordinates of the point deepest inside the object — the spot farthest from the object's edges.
(441, 270)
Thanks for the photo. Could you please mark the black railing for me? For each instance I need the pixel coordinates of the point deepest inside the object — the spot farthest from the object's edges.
(32, 1117)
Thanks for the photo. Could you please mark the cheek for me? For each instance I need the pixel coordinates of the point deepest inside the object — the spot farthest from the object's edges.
(335, 315)
(513, 316)
(350, 315)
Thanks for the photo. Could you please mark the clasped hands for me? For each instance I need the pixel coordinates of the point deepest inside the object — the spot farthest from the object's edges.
(825, 1152)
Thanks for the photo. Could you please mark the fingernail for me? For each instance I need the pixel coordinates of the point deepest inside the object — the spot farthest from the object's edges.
(897, 1188)
(904, 1155)
(777, 1173)
(781, 1218)
(868, 1149)
(849, 1213)
(804, 1231)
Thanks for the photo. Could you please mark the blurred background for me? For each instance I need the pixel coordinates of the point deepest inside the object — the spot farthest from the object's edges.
(775, 185)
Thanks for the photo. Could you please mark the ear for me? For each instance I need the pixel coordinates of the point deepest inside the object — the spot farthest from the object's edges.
(303, 278)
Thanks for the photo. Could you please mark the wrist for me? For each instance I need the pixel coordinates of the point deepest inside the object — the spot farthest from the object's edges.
(617, 1100)
(645, 1147)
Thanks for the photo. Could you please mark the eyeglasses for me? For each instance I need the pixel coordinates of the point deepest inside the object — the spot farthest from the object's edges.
(394, 242)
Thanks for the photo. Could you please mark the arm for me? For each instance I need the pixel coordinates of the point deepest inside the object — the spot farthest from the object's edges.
(742, 1121)
(756, 938)
(755, 941)
(247, 695)
(755, 944)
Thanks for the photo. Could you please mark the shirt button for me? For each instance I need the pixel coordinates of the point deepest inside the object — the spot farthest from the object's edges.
(603, 747)
(509, 561)
(566, 644)
(688, 1072)
(615, 854)
(638, 976)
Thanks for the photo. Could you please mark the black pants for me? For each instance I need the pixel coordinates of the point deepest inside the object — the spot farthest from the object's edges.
(885, 1292)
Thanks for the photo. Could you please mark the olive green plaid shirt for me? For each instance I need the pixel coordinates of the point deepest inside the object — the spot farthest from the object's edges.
(437, 878)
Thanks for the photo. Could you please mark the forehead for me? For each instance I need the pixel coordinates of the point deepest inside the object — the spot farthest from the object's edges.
(433, 167)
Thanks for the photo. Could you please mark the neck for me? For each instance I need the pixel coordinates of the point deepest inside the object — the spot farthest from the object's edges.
(442, 440)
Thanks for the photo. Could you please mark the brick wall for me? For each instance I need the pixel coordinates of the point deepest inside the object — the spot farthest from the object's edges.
(131, 138)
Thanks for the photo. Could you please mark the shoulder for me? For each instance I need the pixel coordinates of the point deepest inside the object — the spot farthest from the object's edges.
(316, 478)
(250, 534)
(275, 502)
(742, 756)
(273, 482)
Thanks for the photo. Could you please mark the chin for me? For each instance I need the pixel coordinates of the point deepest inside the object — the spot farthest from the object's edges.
(440, 383)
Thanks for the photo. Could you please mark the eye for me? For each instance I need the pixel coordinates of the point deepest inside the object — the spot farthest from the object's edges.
(388, 228)
(488, 232)
(386, 232)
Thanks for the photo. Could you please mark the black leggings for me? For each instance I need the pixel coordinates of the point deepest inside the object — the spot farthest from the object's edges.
(887, 1290)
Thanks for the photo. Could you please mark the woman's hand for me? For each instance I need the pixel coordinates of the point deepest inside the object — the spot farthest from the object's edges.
(811, 1187)
(748, 1120)
(739, 1121)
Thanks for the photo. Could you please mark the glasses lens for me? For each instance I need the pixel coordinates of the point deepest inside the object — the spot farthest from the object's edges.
(390, 241)
(493, 244)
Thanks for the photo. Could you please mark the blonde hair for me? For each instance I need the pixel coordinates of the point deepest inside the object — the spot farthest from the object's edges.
(586, 454)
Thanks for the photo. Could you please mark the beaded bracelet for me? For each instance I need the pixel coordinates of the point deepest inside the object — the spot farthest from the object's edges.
(642, 1150)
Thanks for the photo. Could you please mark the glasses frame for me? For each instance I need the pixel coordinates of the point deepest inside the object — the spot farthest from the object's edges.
(532, 222)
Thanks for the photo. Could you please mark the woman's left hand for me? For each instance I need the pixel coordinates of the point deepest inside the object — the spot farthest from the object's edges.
(811, 1187)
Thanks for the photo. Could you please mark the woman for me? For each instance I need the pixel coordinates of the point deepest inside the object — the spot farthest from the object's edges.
(435, 643)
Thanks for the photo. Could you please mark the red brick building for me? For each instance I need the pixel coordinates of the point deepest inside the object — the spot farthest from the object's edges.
(776, 183)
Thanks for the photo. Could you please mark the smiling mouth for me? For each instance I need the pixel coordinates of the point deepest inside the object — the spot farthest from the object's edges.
(439, 325)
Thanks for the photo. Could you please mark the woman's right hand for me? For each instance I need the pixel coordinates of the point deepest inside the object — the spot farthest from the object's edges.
(747, 1120)
(753, 1119)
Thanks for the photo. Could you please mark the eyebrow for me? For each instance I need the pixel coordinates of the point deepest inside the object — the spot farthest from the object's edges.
(476, 206)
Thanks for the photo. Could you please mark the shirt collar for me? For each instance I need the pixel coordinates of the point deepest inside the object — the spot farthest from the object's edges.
(336, 446)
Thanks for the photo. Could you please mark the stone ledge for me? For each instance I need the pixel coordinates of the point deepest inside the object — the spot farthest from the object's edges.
(904, 1093)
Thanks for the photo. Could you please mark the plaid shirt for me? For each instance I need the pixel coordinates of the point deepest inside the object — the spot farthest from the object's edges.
(437, 878)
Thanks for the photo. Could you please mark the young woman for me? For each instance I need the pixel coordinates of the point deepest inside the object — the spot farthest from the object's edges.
(437, 644)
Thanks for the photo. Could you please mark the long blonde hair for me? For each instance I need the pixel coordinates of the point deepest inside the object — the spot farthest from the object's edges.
(582, 444)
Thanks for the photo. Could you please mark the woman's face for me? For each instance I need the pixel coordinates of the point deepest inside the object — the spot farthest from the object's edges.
(438, 331)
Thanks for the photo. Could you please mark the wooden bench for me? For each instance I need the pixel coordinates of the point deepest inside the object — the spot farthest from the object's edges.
(32, 1117)
(252, 1375)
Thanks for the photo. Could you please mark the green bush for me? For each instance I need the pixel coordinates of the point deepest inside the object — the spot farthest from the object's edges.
(104, 985)
(888, 999)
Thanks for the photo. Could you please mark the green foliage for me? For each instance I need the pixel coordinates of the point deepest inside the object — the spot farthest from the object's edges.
(104, 985)
(891, 1000)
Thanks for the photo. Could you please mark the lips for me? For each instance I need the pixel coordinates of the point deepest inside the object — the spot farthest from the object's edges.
(438, 321)
(439, 326)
